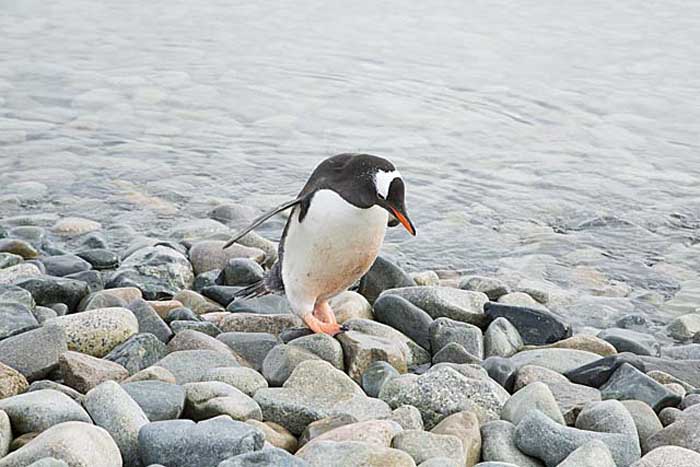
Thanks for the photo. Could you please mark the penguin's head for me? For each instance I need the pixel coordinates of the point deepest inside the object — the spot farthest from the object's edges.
(390, 195)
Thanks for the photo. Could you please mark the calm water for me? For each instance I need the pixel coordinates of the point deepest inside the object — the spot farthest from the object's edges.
(552, 144)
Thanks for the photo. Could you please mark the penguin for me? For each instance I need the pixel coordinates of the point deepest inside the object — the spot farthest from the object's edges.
(333, 234)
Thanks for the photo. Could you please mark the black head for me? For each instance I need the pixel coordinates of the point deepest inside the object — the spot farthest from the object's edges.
(364, 181)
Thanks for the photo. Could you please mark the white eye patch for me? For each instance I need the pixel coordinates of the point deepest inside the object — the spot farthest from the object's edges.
(382, 180)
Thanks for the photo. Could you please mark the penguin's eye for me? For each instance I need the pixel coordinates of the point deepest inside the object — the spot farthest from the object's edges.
(383, 181)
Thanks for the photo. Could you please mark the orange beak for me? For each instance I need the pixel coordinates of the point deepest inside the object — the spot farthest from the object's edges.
(404, 220)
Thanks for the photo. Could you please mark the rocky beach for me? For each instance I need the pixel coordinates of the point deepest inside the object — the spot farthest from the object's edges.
(139, 356)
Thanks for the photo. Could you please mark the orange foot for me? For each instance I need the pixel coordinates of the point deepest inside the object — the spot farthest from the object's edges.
(318, 326)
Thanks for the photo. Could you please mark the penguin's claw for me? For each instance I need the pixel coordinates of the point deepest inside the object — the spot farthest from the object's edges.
(319, 326)
(344, 328)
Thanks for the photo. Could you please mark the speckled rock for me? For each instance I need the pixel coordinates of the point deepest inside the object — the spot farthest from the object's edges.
(197, 303)
(592, 454)
(195, 340)
(62, 265)
(375, 432)
(669, 456)
(158, 400)
(268, 456)
(501, 339)
(138, 352)
(15, 318)
(454, 353)
(628, 383)
(12, 382)
(204, 327)
(213, 398)
(424, 445)
(323, 346)
(188, 366)
(149, 321)
(253, 346)
(361, 350)
(465, 426)
(241, 271)
(152, 373)
(501, 370)
(83, 372)
(249, 322)
(350, 305)
(47, 290)
(100, 258)
(18, 273)
(244, 379)
(37, 411)
(493, 288)
(683, 433)
(281, 361)
(415, 354)
(275, 435)
(572, 398)
(18, 247)
(408, 417)
(374, 377)
(445, 331)
(354, 454)
(534, 396)
(438, 302)
(316, 428)
(383, 275)
(5, 434)
(645, 420)
(559, 360)
(498, 445)
(588, 343)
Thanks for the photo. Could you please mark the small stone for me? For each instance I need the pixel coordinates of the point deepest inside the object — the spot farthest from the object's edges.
(572, 398)
(361, 350)
(281, 361)
(670, 415)
(593, 454)
(204, 327)
(383, 275)
(402, 315)
(244, 379)
(352, 453)
(682, 352)
(608, 417)
(531, 373)
(408, 417)
(536, 326)
(521, 299)
(163, 307)
(628, 383)
(122, 295)
(213, 398)
(498, 445)
(375, 376)
(206, 255)
(684, 327)
(37, 411)
(415, 354)
(271, 304)
(424, 445)
(249, 322)
(195, 340)
(113, 409)
(445, 331)
(205, 281)
(152, 373)
(182, 314)
(253, 346)
(425, 278)
(596, 373)
(182, 443)
(93, 279)
(669, 456)
(48, 384)
(15, 318)
(18, 273)
(158, 400)
(9, 259)
(501, 370)
(588, 343)
(269, 456)
(502, 339)
(493, 288)
(323, 346)
(350, 305)
(47, 290)
(683, 433)
(62, 265)
(559, 360)
(242, 271)
(18, 247)
(189, 366)
(149, 321)
(665, 378)
(44, 314)
(197, 303)
(534, 396)
(645, 420)
(19, 352)
(138, 352)
(276, 435)
(12, 382)
(446, 302)
(465, 426)
(74, 226)
(83, 372)
(97, 332)
(317, 428)
(100, 258)
(375, 432)
(625, 340)
(454, 353)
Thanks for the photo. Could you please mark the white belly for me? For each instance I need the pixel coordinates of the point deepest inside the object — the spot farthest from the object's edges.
(334, 246)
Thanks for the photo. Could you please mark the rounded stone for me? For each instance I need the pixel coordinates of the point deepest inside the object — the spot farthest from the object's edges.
(37, 411)
(534, 396)
(375, 376)
(244, 379)
(158, 400)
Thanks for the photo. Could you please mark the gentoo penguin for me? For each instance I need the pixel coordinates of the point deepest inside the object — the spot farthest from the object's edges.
(333, 234)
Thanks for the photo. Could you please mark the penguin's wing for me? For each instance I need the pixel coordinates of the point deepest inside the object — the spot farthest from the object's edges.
(263, 218)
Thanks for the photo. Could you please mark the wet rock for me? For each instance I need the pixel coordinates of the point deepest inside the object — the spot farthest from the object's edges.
(415, 354)
(408, 417)
(424, 445)
(536, 326)
(206, 255)
(402, 315)
(62, 265)
(244, 379)
(249, 322)
(502, 339)
(15, 318)
(111, 408)
(383, 275)
(275, 435)
(100, 258)
(669, 456)
(138, 352)
(253, 346)
(534, 396)
(446, 302)
(37, 411)
(18, 247)
(498, 445)
(445, 331)
(376, 375)
(350, 305)
(559, 360)
(19, 352)
(361, 350)
(149, 321)
(75, 226)
(18, 273)
(628, 383)
(97, 332)
(189, 366)
(316, 390)
(182, 443)
(465, 426)
(12, 382)
(242, 271)
(270, 456)
(281, 361)
(493, 288)
(593, 454)
(47, 290)
(76, 443)
(9, 259)
(442, 391)
(597, 373)
(625, 340)
(158, 400)
(501, 370)
(213, 398)
(684, 327)
(354, 454)
(83, 372)
(238, 215)
(158, 271)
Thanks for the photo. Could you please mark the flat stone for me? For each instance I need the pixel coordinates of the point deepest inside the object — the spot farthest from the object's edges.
(111, 408)
(281, 361)
(502, 339)
(402, 315)
(536, 326)
(76, 443)
(149, 321)
(249, 322)
(324, 346)
(182, 443)
(625, 340)
(593, 454)
(19, 273)
(587, 343)
(597, 373)
(628, 383)
(97, 332)
(206, 255)
(669, 456)
(361, 350)
(424, 445)
(272, 304)
(189, 366)
(534, 396)
(559, 360)
(415, 354)
(316, 390)
(493, 288)
(83, 372)
(196, 302)
(253, 346)
(350, 305)
(645, 420)
(269, 456)
(62, 265)
(213, 398)
(244, 379)
(100, 258)
(439, 302)
(37, 411)
(465, 426)
(158, 400)
(383, 275)
(47, 290)
(275, 435)
(317, 428)
(376, 375)
(12, 382)
(15, 318)
(354, 454)
(498, 445)
(138, 352)
(408, 417)
(444, 331)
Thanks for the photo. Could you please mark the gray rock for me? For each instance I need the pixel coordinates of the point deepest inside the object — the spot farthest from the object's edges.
(209, 254)
(572, 398)
(539, 436)
(189, 339)
(375, 376)
(402, 315)
(158, 271)
(443, 391)
(534, 396)
(19, 273)
(316, 390)
(49, 462)
(149, 321)
(244, 379)
(670, 415)
(92, 278)
(83, 372)
(266, 305)
(15, 318)
(158, 400)
(608, 417)
(47, 290)
(250, 322)
(77, 444)
(685, 370)
(181, 314)
(502, 371)
(189, 366)
(9, 259)
(454, 353)
(537, 326)
(212, 398)
(684, 327)
(493, 288)
(101, 300)
(682, 352)
(559, 360)
(645, 420)
(408, 417)
(5, 434)
(635, 342)
(444, 331)
(48, 384)
(138, 352)
(14, 294)
(669, 456)
(204, 327)
(43, 314)
(182, 443)
(281, 361)
(353, 454)
(19, 352)
(593, 454)
(361, 350)
(253, 346)
(683, 433)
(597, 372)
(480, 464)
(62, 265)
(383, 275)
(498, 445)
(222, 294)
(628, 383)
(271, 456)
(502, 339)
(315, 429)
(242, 271)
(111, 408)
(415, 354)
(445, 302)
(37, 411)
(100, 258)
(323, 346)
(208, 279)
(423, 445)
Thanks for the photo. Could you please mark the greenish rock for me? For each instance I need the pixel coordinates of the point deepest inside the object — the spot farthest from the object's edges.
(138, 352)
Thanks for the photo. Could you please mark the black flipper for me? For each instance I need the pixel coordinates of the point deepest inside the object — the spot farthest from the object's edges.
(263, 218)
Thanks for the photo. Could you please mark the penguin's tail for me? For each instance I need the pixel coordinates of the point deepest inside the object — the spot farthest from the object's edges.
(254, 290)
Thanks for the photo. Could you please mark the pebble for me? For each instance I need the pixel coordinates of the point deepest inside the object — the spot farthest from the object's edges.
(408, 417)
(18, 273)
(122, 295)
(592, 454)
(536, 326)
(37, 411)
(189, 366)
(442, 391)
(19, 352)
(83, 372)
(138, 352)
(181, 314)
(249, 322)
(572, 398)
(206, 255)
(158, 271)
(375, 432)
(502, 339)
(501, 370)
(628, 383)
(425, 278)
(111, 408)
(625, 340)
(242, 271)
(350, 305)
(465, 426)
(197, 303)
(446, 331)
(42, 314)
(223, 294)
(12, 382)
(272, 304)
(9, 259)
(424, 445)
(271, 456)
(15, 318)
(588, 343)
(47, 290)
(530, 373)
(244, 379)
(493, 288)
(645, 420)
(97, 332)
(316, 390)
(317, 428)
(685, 370)
(276, 435)
(149, 321)
(399, 313)
(374, 377)
(439, 302)
(76, 443)
(163, 307)
(152, 373)
(597, 373)
(213, 398)
(354, 454)
(74, 226)
(253, 346)
(323, 346)
(234, 214)
(684, 327)
(383, 275)
(683, 433)
(415, 354)
(93, 279)
(669, 456)
(203, 327)
(682, 352)
(669, 415)
(195, 340)
(534, 396)
(281, 361)
(18, 247)
(209, 279)
(559, 360)
(608, 416)
(158, 400)
(184, 443)
(498, 445)
(62, 265)
(361, 350)
(100, 258)
(454, 353)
